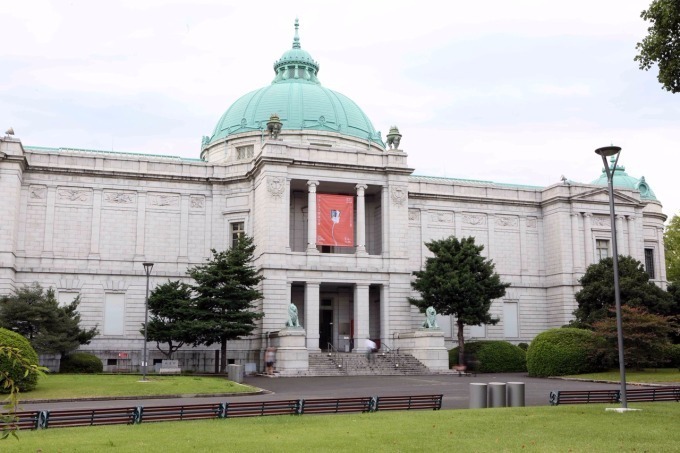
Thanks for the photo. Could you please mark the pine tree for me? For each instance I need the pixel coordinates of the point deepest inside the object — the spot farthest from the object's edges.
(225, 290)
(458, 281)
(36, 314)
(172, 312)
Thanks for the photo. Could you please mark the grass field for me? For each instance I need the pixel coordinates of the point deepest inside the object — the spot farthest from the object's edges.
(67, 386)
(656, 375)
(582, 428)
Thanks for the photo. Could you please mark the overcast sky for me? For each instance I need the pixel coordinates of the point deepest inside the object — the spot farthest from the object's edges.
(509, 91)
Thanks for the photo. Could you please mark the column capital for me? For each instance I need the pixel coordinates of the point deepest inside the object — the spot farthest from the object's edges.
(587, 214)
(574, 213)
(312, 185)
(360, 188)
(631, 218)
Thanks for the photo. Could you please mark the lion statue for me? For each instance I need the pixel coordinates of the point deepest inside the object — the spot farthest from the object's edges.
(430, 318)
(292, 316)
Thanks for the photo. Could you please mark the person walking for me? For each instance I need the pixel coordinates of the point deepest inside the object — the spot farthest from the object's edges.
(371, 347)
(270, 359)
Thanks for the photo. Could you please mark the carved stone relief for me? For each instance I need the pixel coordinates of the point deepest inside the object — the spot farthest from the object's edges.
(163, 200)
(474, 219)
(119, 197)
(276, 185)
(399, 195)
(441, 217)
(600, 221)
(414, 215)
(37, 192)
(507, 221)
(531, 222)
(197, 202)
(73, 195)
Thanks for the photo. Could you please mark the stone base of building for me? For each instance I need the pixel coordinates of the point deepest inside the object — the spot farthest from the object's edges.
(426, 345)
(292, 357)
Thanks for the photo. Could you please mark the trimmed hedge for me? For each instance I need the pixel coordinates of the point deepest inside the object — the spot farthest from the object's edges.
(81, 362)
(493, 356)
(16, 372)
(562, 351)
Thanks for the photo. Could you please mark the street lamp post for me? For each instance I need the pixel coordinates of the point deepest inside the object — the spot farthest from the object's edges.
(147, 270)
(605, 152)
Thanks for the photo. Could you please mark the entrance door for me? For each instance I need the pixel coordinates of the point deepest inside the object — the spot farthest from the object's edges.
(325, 329)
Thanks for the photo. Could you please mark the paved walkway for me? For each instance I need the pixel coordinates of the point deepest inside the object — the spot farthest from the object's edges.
(454, 388)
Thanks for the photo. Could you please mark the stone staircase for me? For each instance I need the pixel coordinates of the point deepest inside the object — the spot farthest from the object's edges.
(351, 364)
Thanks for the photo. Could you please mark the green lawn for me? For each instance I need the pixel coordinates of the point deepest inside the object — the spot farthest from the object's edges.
(634, 376)
(59, 386)
(578, 428)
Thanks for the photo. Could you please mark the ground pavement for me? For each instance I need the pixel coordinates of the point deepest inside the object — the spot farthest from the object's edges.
(454, 388)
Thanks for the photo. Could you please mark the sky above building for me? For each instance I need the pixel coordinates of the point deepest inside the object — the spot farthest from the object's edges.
(518, 92)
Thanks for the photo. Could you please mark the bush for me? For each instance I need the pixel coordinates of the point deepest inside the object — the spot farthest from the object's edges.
(81, 362)
(16, 372)
(673, 355)
(562, 351)
(523, 346)
(493, 356)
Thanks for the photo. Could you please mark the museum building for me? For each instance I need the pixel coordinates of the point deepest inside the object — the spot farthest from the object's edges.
(339, 221)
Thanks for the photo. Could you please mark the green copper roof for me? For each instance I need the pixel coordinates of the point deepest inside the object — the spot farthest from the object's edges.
(300, 101)
(624, 180)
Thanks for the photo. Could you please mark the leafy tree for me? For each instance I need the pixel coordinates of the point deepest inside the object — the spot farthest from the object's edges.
(458, 281)
(597, 295)
(36, 314)
(662, 44)
(674, 318)
(172, 312)
(671, 239)
(645, 337)
(224, 294)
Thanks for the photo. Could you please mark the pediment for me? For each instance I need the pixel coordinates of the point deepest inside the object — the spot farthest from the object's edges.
(601, 195)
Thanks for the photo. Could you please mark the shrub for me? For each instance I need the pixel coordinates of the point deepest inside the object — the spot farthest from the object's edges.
(81, 362)
(673, 355)
(15, 371)
(562, 351)
(493, 356)
(523, 346)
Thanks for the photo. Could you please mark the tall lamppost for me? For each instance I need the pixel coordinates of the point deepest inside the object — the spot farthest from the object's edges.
(147, 270)
(605, 152)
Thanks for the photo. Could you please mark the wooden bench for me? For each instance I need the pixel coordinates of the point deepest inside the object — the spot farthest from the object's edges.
(24, 420)
(583, 396)
(259, 408)
(336, 405)
(86, 417)
(180, 412)
(653, 394)
(405, 403)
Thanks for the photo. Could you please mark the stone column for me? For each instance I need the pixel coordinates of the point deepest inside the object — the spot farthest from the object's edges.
(587, 237)
(632, 237)
(183, 229)
(622, 248)
(385, 316)
(141, 225)
(286, 215)
(312, 316)
(311, 220)
(361, 219)
(661, 261)
(523, 251)
(49, 222)
(575, 249)
(360, 316)
(96, 224)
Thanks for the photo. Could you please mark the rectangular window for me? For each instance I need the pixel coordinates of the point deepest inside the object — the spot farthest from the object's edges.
(510, 312)
(111, 362)
(114, 314)
(601, 249)
(66, 297)
(478, 331)
(649, 262)
(238, 229)
(244, 152)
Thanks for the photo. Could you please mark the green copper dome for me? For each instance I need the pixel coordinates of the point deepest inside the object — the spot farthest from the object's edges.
(297, 97)
(625, 181)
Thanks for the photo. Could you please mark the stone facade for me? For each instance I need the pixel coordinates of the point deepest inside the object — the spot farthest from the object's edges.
(83, 222)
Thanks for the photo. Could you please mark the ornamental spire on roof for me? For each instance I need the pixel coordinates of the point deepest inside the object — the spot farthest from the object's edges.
(296, 39)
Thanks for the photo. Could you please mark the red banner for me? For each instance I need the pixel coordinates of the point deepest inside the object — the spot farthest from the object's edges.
(335, 220)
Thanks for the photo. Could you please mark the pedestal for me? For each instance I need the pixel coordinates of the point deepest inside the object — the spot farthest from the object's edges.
(426, 345)
(292, 357)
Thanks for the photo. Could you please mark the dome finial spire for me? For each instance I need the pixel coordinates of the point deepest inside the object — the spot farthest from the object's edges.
(296, 40)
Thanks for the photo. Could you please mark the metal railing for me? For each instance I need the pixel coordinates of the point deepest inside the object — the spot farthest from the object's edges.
(336, 358)
(390, 354)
